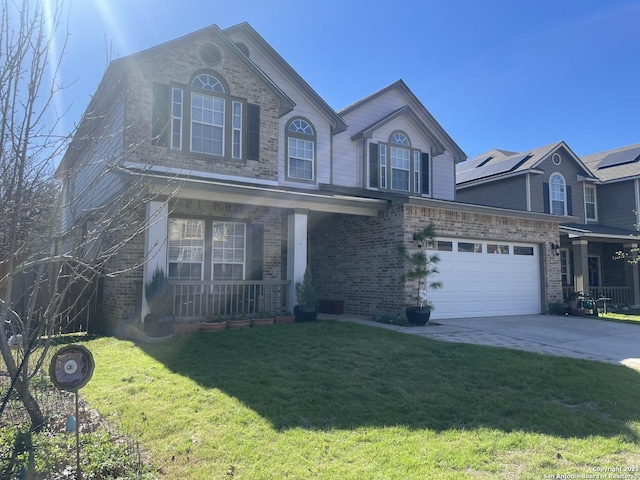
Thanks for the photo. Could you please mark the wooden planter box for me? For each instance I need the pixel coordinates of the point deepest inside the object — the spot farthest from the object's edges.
(259, 322)
(233, 324)
(186, 327)
(285, 319)
(213, 327)
(335, 307)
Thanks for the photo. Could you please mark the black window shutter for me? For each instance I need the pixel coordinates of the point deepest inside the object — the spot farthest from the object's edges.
(569, 201)
(374, 162)
(253, 132)
(545, 198)
(160, 115)
(424, 166)
(256, 251)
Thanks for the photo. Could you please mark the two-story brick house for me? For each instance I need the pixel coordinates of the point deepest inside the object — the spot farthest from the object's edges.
(598, 191)
(256, 178)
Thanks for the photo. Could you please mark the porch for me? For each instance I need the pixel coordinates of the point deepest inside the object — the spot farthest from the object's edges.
(614, 296)
(200, 299)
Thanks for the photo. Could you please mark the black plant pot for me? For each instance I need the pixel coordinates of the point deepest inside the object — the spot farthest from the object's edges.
(418, 315)
(305, 313)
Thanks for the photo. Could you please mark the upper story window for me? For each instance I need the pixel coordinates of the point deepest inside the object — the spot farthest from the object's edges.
(397, 166)
(204, 118)
(590, 207)
(207, 116)
(558, 194)
(301, 148)
(400, 158)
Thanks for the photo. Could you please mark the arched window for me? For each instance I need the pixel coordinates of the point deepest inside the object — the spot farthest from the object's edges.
(558, 194)
(208, 82)
(301, 141)
(207, 116)
(400, 158)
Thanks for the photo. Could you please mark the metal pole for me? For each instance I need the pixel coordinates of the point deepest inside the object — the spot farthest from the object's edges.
(78, 473)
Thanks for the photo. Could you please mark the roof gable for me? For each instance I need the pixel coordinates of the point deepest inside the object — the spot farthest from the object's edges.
(415, 111)
(497, 164)
(286, 104)
(246, 30)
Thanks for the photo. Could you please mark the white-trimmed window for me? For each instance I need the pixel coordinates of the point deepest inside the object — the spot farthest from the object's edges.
(590, 206)
(236, 137)
(397, 166)
(383, 166)
(186, 248)
(301, 141)
(228, 250)
(400, 156)
(176, 118)
(202, 117)
(558, 194)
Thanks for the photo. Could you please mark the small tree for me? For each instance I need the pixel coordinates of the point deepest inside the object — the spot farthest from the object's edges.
(305, 293)
(423, 266)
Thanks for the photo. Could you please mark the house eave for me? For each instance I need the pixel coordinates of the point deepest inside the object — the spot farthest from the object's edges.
(495, 178)
(178, 186)
(486, 210)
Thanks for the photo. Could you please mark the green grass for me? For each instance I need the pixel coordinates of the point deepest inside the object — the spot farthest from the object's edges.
(345, 401)
(631, 317)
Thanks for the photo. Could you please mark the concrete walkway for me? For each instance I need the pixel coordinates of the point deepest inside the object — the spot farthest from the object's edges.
(577, 337)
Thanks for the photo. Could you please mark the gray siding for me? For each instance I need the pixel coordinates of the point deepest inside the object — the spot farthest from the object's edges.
(567, 169)
(616, 204)
(508, 193)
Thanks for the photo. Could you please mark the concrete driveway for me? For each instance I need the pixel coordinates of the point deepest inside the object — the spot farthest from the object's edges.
(586, 338)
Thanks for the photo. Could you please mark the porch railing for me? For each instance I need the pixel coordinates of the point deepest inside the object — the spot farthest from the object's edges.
(193, 299)
(620, 296)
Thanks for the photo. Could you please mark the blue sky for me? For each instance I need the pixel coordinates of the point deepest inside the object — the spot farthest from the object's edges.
(509, 74)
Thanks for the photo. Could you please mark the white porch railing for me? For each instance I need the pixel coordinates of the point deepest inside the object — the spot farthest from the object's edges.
(193, 299)
(620, 296)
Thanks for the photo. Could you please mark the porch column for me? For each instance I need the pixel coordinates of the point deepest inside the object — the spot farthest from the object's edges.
(296, 251)
(631, 275)
(581, 265)
(155, 244)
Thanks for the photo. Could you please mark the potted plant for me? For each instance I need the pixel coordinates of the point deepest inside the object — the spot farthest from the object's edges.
(238, 321)
(160, 321)
(572, 299)
(213, 323)
(306, 309)
(262, 318)
(423, 266)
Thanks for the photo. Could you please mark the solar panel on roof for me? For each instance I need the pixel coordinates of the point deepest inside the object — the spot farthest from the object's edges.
(619, 158)
(507, 165)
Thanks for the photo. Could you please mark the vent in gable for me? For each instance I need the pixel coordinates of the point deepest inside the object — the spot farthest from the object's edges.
(210, 54)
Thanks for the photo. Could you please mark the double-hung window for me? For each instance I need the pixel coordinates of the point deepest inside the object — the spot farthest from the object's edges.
(228, 246)
(204, 118)
(590, 209)
(397, 166)
(558, 194)
(186, 248)
(301, 140)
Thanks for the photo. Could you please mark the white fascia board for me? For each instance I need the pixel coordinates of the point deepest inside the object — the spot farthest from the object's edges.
(186, 173)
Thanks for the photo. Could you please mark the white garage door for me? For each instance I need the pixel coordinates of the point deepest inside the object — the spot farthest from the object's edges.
(486, 278)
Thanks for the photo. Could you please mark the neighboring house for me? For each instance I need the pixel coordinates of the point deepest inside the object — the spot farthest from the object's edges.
(599, 192)
(265, 178)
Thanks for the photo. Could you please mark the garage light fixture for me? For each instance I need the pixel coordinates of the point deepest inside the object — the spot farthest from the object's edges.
(556, 248)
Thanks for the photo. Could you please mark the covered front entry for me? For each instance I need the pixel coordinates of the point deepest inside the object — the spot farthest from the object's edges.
(486, 278)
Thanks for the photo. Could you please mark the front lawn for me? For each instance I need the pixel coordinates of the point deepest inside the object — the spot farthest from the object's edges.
(339, 400)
